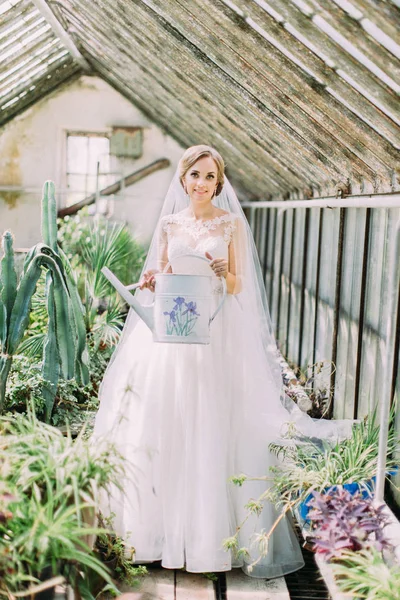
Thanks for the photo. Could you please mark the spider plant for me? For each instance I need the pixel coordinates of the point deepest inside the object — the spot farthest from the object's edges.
(365, 574)
(309, 468)
(55, 484)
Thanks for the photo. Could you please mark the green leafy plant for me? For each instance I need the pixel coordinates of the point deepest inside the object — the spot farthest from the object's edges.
(114, 551)
(310, 467)
(72, 401)
(54, 484)
(91, 244)
(365, 574)
(64, 348)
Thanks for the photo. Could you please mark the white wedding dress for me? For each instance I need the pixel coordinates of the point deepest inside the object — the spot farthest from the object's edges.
(189, 416)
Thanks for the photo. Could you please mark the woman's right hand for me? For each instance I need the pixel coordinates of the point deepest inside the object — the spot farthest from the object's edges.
(148, 281)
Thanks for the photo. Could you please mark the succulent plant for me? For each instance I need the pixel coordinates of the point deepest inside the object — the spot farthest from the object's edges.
(65, 345)
(345, 521)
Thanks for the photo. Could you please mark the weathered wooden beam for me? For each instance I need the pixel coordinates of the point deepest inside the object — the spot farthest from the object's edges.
(193, 586)
(14, 13)
(276, 122)
(61, 74)
(230, 122)
(300, 130)
(242, 587)
(25, 67)
(384, 15)
(378, 56)
(173, 120)
(254, 63)
(173, 85)
(60, 32)
(30, 52)
(341, 74)
(115, 187)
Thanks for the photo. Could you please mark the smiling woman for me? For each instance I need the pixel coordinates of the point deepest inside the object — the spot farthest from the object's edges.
(190, 416)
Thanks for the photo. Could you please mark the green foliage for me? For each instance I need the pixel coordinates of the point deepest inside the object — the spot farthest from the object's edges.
(90, 244)
(309, 467)
(365, 574)
(54, 484)
(113, 549)
(87, 246)
(71, 402)
(64, 340)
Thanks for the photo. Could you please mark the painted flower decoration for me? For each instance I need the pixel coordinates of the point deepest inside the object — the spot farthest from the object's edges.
(171, 315)
(178, 302)
(191, 309)
(182, 318)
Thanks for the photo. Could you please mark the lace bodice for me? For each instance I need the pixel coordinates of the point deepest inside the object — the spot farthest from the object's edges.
(181, 234)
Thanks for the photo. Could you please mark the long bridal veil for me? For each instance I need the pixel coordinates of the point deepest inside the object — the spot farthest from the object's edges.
(255, 314)
(190, 417)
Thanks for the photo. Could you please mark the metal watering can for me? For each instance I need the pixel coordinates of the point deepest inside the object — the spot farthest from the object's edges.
(182, 308)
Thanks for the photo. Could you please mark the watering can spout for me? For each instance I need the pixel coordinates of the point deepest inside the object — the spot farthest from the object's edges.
(144, 312)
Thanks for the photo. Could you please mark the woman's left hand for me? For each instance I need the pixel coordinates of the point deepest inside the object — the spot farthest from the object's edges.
(218, 265)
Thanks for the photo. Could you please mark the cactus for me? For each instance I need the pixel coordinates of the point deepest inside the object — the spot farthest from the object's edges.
(65, 345)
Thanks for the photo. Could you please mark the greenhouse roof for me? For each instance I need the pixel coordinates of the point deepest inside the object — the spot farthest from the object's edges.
(296, 94)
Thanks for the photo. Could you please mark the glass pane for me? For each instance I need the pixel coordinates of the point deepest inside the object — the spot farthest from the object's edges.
(295, 291)
(353, 246)
(99, 151)
(77, 154)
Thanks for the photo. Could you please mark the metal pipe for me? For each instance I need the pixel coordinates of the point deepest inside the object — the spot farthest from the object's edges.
(63, 35)
(359, 201)
(394, 268)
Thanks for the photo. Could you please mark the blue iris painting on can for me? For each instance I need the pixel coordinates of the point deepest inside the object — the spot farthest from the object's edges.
(182, 318)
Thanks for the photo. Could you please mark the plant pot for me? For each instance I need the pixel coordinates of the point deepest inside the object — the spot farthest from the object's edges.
(95, 581)
(50, 592)
(366, 488)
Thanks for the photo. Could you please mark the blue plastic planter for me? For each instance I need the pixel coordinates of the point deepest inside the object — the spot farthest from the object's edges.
(366, 488)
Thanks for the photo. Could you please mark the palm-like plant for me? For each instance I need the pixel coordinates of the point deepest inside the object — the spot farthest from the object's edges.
(64, 348)
(91, 246)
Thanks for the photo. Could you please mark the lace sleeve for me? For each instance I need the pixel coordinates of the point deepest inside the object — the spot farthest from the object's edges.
(237, 253)
(162, 244)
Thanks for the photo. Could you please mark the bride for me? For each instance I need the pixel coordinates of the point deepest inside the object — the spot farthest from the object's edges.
(187, 417)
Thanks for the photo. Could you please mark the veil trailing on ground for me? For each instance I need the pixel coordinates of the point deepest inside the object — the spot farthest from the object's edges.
(251, 296)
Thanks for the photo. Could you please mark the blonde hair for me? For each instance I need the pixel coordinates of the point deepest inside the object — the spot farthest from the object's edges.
(192, 155)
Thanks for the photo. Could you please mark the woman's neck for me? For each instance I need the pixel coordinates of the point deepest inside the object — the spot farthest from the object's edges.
(202, 212)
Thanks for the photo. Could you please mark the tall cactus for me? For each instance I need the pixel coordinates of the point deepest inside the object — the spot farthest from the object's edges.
(65, 345)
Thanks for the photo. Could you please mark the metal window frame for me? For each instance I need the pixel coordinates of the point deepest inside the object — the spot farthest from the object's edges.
(392, 336)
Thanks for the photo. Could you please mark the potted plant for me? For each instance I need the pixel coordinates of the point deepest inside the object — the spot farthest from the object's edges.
(365, 574)
(349, 534)
(54, 482)
(116, 554)
(308, 467)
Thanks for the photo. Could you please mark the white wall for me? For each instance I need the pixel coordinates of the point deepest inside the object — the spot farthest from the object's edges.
(33, 150)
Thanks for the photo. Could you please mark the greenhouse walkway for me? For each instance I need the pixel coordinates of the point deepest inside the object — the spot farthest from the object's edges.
(168, 584)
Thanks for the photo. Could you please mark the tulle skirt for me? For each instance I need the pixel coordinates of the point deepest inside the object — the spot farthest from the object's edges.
(187, 418)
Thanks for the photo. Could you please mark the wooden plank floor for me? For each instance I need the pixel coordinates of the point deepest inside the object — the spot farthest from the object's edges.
(175, 584)
(166, 584)
(171, 584)
(242, 587)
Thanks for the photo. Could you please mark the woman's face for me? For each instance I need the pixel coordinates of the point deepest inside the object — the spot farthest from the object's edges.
(200, 180)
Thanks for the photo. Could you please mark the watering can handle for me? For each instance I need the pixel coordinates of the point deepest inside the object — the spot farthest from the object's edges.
(224, 291)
